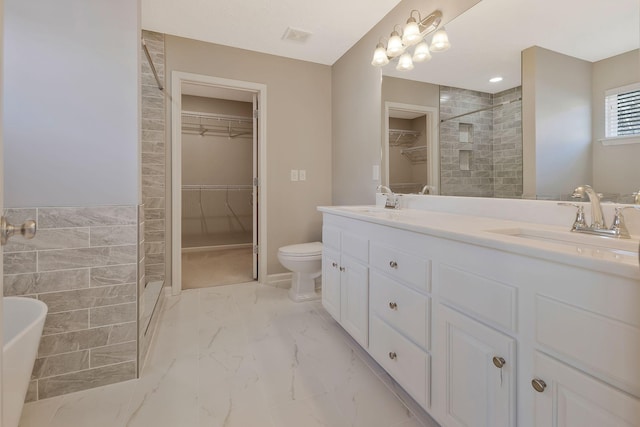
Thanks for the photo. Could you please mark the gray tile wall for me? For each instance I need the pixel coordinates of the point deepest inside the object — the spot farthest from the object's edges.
(495, 148)
(83, 265)
(153, 159)
(478, 180)
(507, 144)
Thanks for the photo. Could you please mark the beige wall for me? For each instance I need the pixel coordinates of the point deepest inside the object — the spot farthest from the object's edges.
(557, 96)
(616, 168)
(298, 132)
(356, 105)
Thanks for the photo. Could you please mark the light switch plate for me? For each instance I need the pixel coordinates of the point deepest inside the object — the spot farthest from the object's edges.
(294, 174)
(376, 172)
(302, 174)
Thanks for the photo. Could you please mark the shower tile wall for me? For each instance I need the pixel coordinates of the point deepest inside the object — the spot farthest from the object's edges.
(507, 144)
(153, 159)
(494, 149)
(83, 265)
(478, 180)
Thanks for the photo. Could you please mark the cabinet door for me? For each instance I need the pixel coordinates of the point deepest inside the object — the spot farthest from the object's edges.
(469, 389)
(331, 282)
(574, 399)
(354, 307)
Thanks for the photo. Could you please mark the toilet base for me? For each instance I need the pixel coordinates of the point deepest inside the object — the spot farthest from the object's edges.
(303, 287)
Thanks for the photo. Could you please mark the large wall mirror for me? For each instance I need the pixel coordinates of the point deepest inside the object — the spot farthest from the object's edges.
(536, 133)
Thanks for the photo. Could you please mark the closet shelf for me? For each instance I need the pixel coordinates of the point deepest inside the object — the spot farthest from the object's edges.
(415, 154)
(208, 124)
(403, 137)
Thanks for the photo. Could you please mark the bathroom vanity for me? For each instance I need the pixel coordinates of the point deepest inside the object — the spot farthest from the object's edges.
(487, 321)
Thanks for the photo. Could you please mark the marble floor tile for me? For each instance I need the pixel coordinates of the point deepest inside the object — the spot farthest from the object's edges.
(239, 356)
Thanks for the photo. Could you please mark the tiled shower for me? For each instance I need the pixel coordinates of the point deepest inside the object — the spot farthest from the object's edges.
(82, 264)
(481, 152)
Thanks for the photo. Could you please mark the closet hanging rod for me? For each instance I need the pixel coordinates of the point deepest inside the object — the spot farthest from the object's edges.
(482, 109)
(153, 67)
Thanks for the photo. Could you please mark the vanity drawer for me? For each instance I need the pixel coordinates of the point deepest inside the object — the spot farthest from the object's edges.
(490, 300)
(331, 237)
(355, 246)
(348, 243)
(401, 265)
(403, 360)
(404, 309)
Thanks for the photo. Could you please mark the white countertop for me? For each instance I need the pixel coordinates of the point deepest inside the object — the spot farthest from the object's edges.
(607, 255)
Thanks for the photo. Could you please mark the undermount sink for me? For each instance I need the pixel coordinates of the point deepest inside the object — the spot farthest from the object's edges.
(584, 243)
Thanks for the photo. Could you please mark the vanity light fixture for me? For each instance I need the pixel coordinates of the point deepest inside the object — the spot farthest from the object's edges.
(440, 41)
(413, 34)
(405, 63)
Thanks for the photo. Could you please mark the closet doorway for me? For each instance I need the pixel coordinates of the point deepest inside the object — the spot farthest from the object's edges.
(216, 202)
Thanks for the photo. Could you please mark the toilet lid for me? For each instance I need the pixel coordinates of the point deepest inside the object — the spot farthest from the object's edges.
(303, 249)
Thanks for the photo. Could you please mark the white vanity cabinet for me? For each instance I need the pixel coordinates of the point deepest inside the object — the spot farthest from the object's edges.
(486, 336)
(345, 280)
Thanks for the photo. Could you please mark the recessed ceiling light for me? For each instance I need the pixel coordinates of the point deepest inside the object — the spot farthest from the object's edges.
(495, 79)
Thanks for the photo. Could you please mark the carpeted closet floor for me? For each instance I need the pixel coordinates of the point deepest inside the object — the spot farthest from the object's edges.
(203, 269)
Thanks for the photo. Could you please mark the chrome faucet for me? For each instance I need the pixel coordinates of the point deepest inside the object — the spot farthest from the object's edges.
(597, 217)
(392, 201)
(598, 227)
(427, 189)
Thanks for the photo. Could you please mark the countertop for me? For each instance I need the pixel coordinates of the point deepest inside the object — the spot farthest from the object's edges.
(549, 242)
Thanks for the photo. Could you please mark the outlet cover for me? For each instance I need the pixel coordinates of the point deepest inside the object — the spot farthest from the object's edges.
(302, 174)
(294, 174)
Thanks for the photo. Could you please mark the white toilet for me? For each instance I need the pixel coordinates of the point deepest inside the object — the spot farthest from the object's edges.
(305, 261)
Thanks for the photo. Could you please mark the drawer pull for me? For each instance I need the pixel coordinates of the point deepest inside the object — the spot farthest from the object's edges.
(393, 355)
(393, 264)
(334, 264)
(538, 385)
(342, 269)
(499, 362)
(393, 306)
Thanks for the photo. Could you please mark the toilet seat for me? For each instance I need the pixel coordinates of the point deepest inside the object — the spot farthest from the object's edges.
(302, 250)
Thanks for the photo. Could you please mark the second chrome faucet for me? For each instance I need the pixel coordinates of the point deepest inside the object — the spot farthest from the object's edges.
(598, 225)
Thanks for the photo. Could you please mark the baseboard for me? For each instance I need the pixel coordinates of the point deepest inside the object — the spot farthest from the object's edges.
(280, 280)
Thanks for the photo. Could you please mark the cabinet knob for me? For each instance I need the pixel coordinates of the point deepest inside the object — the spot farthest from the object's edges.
(342, 269)
(499, 362)
(393, 264)
(393, 355)
(393, 305)
(334, 264)
(538, 385)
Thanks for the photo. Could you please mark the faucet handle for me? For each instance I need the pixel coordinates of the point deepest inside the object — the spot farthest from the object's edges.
(618, 224)
(579, 222)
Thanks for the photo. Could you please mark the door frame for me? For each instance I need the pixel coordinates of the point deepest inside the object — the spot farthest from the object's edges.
(433, 126)
(177, 78)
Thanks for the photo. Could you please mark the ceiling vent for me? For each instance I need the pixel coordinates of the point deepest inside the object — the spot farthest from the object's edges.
(296, 34)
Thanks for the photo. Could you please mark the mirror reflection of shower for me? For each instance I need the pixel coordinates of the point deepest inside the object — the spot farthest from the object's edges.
(481, 143)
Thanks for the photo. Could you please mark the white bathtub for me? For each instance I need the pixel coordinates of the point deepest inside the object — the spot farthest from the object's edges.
(23, 319)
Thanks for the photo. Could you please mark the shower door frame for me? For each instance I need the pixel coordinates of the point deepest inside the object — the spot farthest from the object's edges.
(260, 167)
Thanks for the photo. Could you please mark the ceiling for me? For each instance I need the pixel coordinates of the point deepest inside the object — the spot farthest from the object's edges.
(259, 25)
(486, 40)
